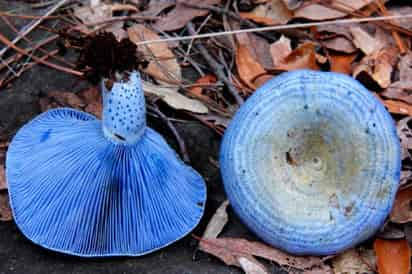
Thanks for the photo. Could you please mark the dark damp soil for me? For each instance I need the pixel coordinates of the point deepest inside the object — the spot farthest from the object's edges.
(20, 102)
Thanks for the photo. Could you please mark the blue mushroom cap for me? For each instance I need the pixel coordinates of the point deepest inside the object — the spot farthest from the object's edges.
(311, 162)
(77, 188)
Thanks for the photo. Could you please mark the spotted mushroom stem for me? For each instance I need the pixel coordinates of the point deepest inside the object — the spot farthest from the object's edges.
(124, 109)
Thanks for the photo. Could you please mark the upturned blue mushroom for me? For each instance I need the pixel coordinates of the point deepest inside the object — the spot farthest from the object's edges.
(114, 187)
(311, 162)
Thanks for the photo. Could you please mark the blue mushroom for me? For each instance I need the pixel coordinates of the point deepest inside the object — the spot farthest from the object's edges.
(114, 187)
(311, 162)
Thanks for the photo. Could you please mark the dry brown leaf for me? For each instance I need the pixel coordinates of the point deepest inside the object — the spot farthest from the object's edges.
(257, 46)
(401, 211)
(182, 14)
(293, 4)
(173, 98)
(378, 66)
(393, 256)
(204, 80)
(303, 57)
(400, 90)
(5, 210)
(390, 231)
(252, 266)
(322, 269)
(402, 10)
(163, 64)
(3, 183)
(91, 95)
(352, 261)
(273, 12)
(340, 43)
(229, 249)
(214, 118)
(65, 98)
(336, 29)
(405, 136)
(341, 62)
(319, 12)
(95, 108)
(398, 107)
(247, 67)
(406, 176)
(280, 49)
(365, 42)
(93, 14)
(405, 67)
(154, 7)
(217, 222)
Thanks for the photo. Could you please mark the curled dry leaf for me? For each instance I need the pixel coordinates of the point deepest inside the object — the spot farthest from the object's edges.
(247, 67)
(402, 10)
(89, 14)
(355, 261)
(229, 249)
(341, 62)
(398, 107)
(393, 256)
(3, 183)
(399, 90)
(154, 7)
(390, 231)
(303, 57)
(5, 210)
(65, 98)
(292, 4)
(336, 30)
(405, 135)
(173, 98)
(182, 14)
(163, 64)
(341, 44)
(280, 49)
(92, 14)
(401, 211)
(405, 68)
(273, 12)
(378, 66)
(94, 108)
(252, 266)
(257, 46)
(217, 222)
(406, 177)
(204, 80)
(320, 12)
(366, 42)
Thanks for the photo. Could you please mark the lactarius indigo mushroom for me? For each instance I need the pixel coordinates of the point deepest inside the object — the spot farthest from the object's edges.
(114, 187)
(311, 162)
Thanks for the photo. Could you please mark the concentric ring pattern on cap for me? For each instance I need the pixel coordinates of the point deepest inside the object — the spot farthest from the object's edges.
(311, 162)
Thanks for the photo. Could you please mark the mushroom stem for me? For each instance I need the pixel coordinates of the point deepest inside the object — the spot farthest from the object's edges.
(124, 108)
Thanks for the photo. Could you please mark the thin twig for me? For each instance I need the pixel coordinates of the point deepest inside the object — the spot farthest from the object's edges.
(191, 41)
(25, 16)
(395, 34)
(345, 8)
(181, 143)
(277, 28)
(17, 57)
(216, 67)
(33, 26)
(13, 28)
(10, 44)
(230, 14)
